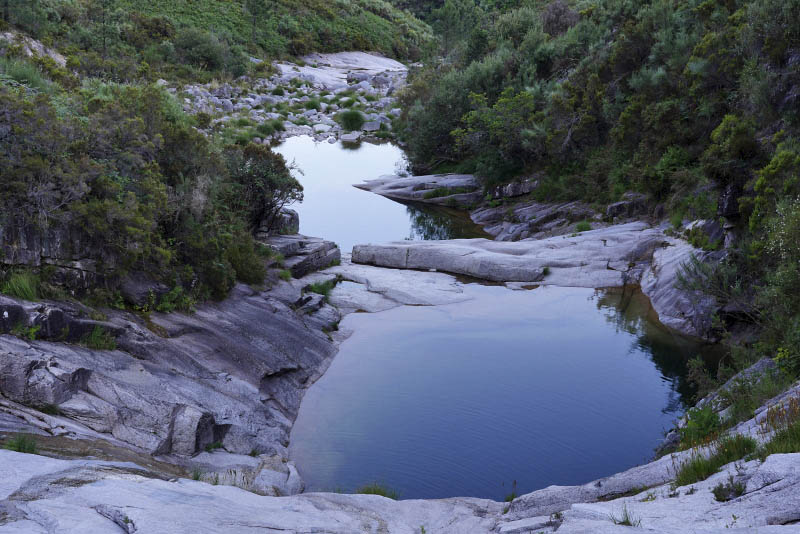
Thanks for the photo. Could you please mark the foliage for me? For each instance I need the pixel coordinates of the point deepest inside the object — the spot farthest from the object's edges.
(21, 443)
(323, 288)
(99, 339)
(351, 119)
(22, 285)
(701, 423)
(122, 169)
(725, 451)
(378, 489)
(728, 490)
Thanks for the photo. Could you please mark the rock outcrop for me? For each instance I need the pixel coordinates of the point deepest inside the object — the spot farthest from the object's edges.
(615, 256)
(454, 190)
(527, 220)
(330, 83)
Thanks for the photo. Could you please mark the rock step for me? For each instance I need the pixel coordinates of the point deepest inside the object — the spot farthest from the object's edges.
(304, 255)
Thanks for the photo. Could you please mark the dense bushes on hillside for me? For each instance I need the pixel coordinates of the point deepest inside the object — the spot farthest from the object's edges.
(122, 168)
(194, 39)
(694, 103)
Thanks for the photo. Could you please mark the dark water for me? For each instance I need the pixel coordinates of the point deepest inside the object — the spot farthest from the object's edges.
(336, 210)
(547, 386)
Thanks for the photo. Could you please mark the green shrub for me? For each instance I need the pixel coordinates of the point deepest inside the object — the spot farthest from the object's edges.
(313, 104)
(278, 91)
(323, 288)
(701, 424)
(285, 275)
(26, 332)
(211, 447)
(203, 120)
(266, 129)
(583, 226)
(22, 285)
(729, 490)
(378, 489)
(99, 339)
(21, 443)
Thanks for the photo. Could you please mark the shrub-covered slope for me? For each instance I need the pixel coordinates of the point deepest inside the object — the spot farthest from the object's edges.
(694, 102)
(128, 39)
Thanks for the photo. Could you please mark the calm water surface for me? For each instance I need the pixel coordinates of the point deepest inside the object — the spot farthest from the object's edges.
(336, 210)
(546, 386)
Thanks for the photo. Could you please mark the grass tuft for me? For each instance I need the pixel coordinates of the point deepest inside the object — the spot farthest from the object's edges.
(378, 489)
(727, 450)
(21, 443)
(22, 285)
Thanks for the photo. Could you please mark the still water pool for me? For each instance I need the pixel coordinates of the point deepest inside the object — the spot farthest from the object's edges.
(334, 209)
(544, 386)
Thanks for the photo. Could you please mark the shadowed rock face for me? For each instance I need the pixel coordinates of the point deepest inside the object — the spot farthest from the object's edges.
(233, 373)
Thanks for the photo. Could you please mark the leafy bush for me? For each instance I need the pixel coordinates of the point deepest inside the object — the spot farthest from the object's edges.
(701, 424)
(351, 120)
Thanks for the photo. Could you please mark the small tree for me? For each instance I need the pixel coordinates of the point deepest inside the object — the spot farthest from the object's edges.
(265, 184)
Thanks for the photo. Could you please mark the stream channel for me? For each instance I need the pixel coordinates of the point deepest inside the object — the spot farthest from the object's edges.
(510, 390)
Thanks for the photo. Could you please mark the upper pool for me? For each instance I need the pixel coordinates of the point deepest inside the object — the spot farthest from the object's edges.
(544, 386)
(334, 209)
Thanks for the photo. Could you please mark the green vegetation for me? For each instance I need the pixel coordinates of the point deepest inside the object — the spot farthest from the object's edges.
(681, 101)
(378, 489)
(99, 339)
(22, 285)
(446, 192)
(125, 172)
(701, 425)
(194, 39)
(351, 120)
(285, 275)
(211, 447)
(323, 288)
(727, 450)
(26, 332)
(21, 443)
(729, 490)
(583, 226)
(626, 518)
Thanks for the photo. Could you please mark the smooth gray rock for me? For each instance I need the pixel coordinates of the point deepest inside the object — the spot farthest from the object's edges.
(234, 372)
(615, 256)
(455, 189)
(303, 254)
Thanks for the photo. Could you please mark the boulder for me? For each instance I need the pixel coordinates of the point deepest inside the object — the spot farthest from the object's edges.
(140, 289)
(304, 255)
(372, 126)
(633, 204)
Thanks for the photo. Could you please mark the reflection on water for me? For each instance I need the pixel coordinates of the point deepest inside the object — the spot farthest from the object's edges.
(431, 223)
(334, 209)
(548, 386)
